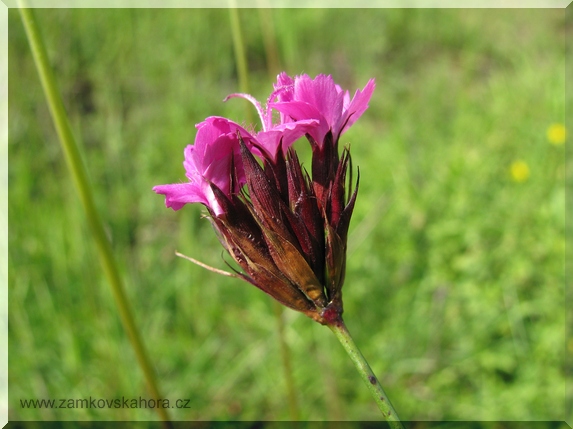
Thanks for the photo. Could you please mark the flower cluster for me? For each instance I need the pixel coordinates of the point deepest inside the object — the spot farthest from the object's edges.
(285, 228)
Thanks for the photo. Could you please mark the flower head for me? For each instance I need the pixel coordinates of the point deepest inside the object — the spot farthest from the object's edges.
(285, 228)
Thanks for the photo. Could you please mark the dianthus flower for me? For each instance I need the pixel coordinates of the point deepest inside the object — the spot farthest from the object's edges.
(286, 228)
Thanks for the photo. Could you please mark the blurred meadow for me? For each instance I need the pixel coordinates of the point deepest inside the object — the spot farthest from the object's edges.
(455, 281)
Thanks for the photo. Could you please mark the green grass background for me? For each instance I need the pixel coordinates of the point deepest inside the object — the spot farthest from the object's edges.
(455, 284)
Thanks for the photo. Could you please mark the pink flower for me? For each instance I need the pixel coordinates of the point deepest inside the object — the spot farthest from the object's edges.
(303, 98)
(208, 163)
(284, 226)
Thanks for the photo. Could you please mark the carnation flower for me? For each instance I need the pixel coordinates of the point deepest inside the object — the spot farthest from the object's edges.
(285, 228)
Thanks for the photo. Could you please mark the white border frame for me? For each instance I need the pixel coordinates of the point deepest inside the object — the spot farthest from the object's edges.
(481, 4)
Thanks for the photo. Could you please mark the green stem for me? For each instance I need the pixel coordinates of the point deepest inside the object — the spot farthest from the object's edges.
(80, 178)
(339, 329)
(240, 55)
(269, 39)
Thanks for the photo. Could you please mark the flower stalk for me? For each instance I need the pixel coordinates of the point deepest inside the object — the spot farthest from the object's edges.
(80, 178)
(341, 332)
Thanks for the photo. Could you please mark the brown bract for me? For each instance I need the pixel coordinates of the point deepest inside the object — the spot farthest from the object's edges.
(288, 231)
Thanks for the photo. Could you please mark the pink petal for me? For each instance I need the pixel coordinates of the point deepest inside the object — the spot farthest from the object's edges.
(209, 160)
(283, 81)
(221, 135)
(283, 91)
(286, 133)
(355, 108)
(226, 126)
(177, 195)
(300, 111)
(191, 168)
(323, 94)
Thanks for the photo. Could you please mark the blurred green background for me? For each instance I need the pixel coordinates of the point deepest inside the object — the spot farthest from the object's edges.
(455, 284)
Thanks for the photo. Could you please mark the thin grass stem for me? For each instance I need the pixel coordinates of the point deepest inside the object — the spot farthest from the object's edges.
(240, 54)
(269, 39)
(286, 359)
(81, 182)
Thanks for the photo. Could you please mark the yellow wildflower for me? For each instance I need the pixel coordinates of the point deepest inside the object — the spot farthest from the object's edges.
(519, 171)
(556, 134)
